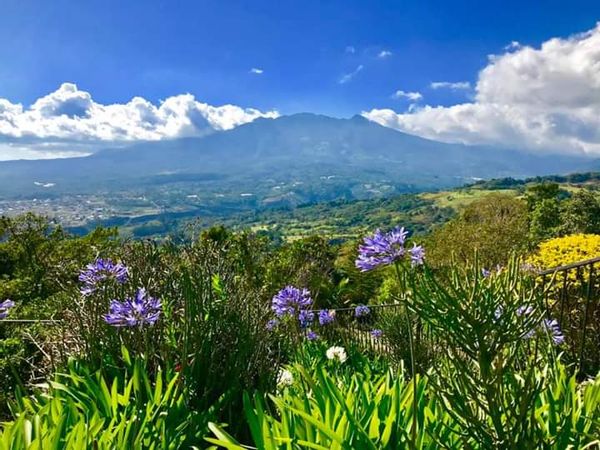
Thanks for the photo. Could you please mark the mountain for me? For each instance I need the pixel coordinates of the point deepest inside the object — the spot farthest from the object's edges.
(304, 146)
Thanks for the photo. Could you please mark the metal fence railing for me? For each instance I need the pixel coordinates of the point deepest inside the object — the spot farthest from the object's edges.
(363, 331)
(572, 295)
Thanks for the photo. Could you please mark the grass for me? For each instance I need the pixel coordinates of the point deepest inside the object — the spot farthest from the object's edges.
(460, 198)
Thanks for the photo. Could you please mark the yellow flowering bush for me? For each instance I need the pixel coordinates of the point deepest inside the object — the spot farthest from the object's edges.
(566, 250)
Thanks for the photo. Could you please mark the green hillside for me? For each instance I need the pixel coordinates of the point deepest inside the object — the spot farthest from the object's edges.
(420, 212)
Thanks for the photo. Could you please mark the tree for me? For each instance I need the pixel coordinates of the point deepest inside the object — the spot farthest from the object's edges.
(543, 202)
(542, 191)
(544, 220)
(494, 227)
(580, 214)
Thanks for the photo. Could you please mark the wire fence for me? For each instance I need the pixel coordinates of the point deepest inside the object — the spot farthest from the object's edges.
(572, 297)
(362, 331)
(571, 294)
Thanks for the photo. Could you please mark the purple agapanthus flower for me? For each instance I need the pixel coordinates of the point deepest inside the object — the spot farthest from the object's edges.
(99, 271)
(306, 317)
(5, 307)
(550, 326)
(137, 311)
(272, 324)
(361, 311)
(553, 329)
(417, 255)
(485, 273)
(290, 300)
(326, 316)
(311, 335)
(376, 333)
(524, 310)
(381, 249)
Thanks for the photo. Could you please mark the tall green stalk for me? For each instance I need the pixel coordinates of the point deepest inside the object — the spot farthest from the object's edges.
(411, 345)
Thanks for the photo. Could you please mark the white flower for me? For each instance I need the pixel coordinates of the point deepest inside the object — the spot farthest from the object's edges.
(285, 378)
(337, 353)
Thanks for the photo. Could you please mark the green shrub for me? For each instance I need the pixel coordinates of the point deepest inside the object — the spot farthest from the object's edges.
(126, 410)
(494, 227)
(321, 410)
(325, 412)
(495, 338)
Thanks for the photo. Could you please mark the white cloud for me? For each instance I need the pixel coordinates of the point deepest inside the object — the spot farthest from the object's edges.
(10, 151)
(457, 85)
(414, 96)
(349, 76)
(513, 45)
(384, 54)
(545, 99)
(257, 71)
(73, 117)
(350, 49)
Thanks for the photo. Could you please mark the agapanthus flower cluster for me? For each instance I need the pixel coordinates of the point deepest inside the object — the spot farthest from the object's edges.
(549, 326)
(361, 311)
(553, 329)
(417, 255)
(5, 307)
(528, 267)
(386, 248)
(290, 301)
(311, 335)
(376, 333)
(134, 312)
(336, 353)
(486, 273)
(306, 317)
(100, 271)
(326, 316)
(524, 310)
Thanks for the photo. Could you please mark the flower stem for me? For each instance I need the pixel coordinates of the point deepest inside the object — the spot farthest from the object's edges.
(412, 361)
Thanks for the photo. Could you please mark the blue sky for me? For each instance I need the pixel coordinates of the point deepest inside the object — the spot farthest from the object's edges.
(339, 58)
(156, 49)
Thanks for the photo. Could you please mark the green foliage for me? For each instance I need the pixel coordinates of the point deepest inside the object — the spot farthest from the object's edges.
(568, 292)
(307, 262)
(42, 257)
(394, 324)
(39, 263)
(546, 190)
(325, 412)
(312, 355)
(581, 213)
(489, 378)
(545, 219)
(83, 409)
(480, 383)
(357, 288)
(494, 227)
(345, 219)
(219, 329)
(373, 411)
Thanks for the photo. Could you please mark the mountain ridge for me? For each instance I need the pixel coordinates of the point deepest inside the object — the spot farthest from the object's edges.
(300, 144)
